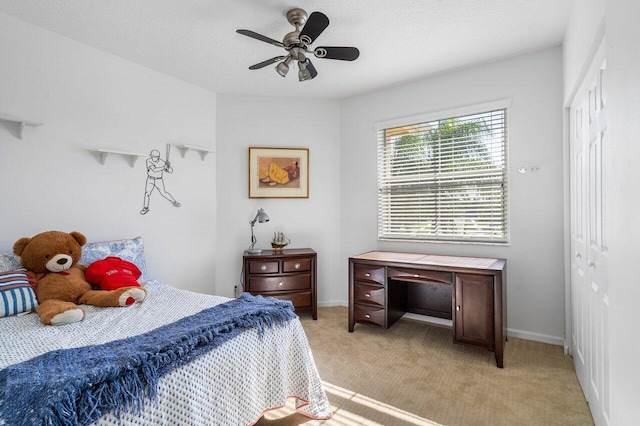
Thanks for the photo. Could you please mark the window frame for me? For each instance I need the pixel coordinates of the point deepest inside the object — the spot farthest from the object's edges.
(461, 112)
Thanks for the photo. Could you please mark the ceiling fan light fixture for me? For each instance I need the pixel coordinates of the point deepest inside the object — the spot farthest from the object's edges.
(283, 67)
(304, 74)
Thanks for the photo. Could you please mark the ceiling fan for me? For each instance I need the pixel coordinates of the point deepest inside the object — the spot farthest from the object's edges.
(297, 44)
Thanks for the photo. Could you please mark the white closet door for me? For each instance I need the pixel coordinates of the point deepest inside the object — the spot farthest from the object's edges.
(579, 217)
(589, 244)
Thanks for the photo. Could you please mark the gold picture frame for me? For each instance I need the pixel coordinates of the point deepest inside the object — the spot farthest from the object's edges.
(278, 172)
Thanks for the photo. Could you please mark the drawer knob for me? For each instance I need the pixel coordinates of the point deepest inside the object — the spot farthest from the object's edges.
(296, 266)
(458, 308)
(263, 267)
(367, 295)
(367, 316)
(416, 275)
(280, 284)
(367, 274)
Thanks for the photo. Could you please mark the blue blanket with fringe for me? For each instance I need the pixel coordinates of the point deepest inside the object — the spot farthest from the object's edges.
(77, 386)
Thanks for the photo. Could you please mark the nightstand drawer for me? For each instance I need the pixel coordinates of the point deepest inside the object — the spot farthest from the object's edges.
(369, 314)
(368, 294)
(296, 265)
(281, 283)
(263, 267)
(299, 300)
(369, 273)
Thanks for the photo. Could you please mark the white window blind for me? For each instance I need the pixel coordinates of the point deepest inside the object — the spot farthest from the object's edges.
(444, 180)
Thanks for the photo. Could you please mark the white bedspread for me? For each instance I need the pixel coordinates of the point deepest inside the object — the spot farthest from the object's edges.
(231, 385)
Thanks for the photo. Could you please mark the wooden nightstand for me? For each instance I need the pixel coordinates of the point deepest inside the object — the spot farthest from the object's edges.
(289, 275)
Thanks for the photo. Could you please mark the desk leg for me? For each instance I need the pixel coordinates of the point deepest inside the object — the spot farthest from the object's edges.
(499, 318)
(352, 319)
(314, 288)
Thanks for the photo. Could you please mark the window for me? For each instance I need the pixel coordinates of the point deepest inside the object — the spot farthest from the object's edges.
(444, 179)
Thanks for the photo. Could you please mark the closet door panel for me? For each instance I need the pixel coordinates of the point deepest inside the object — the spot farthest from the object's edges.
(589, 145)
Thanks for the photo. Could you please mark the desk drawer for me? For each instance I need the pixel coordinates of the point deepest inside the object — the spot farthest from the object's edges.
(420, 275)
(263, 267)
(368, 294)
(369, 274)
(296, 265)
(369, 314)
(282, 283)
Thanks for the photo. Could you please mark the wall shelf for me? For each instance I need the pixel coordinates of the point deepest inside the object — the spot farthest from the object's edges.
(20, 122)
(203, 151)
(104, 153)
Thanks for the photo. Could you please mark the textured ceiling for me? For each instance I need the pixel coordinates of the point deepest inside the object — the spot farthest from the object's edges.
(399, 40)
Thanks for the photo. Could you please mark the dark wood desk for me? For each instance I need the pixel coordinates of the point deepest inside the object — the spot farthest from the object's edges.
(470, 291)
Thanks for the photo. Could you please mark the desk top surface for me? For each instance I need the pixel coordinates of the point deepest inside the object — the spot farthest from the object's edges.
(431, 259)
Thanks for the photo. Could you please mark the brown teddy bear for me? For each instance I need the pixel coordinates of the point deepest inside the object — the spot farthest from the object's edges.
(61, 283)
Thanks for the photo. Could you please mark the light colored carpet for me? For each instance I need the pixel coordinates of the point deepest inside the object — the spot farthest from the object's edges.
(412, 374)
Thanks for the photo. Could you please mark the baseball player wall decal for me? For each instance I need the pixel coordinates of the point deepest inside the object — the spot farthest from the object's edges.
(156, 167)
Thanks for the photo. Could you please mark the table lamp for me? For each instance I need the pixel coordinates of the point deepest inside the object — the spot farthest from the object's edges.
(261, 217)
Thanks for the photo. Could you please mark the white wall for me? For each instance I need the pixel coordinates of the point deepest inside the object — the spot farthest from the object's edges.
(584, 31)
(90, 99)
(245, 121)
(535, 279)
(623, 39)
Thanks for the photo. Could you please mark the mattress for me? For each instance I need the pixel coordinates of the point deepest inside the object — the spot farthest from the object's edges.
(233, 384)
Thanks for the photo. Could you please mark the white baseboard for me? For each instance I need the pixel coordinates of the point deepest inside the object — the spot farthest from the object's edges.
(428, 319)
(536, 337)
(332, 304)
(526, 335)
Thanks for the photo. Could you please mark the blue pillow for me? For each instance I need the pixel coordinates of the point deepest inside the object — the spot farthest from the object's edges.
(16, 294)
(9, 262)
(131, 250)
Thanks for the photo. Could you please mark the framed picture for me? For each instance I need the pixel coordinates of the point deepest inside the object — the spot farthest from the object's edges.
(278, 172)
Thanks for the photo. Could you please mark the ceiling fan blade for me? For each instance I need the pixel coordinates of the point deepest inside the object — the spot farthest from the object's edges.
(315, 25)
(260, 37)
(267, 62)
(311, 68)
(334, 52)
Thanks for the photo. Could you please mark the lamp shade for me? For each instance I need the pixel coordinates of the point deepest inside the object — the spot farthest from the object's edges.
(262, 216)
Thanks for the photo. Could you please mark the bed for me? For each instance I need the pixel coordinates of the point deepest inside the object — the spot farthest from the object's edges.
(234, 382)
